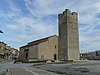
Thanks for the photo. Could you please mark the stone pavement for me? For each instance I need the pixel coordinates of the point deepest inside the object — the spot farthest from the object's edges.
(28, 71)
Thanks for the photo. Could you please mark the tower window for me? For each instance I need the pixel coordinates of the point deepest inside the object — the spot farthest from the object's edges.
(55, 46)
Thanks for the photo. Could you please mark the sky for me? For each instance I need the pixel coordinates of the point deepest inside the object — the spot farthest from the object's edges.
(23, 21)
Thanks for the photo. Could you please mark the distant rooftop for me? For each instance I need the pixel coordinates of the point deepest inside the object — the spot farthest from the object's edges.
(97, 50)
(3, 43)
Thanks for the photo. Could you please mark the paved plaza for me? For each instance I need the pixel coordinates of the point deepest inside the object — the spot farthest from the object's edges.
(88, 67)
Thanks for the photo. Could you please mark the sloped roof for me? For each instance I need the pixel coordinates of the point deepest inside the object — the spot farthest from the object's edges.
(36, 42)
(40, 40)
(3, 43)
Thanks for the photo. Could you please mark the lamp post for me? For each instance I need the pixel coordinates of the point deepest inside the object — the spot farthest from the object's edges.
(1, 31)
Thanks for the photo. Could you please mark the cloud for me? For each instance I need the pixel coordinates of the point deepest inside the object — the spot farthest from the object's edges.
(14, 27)
(87, 10)
(45, 7)
(40, 20)
(27, 29)
(27, 23)
(13, 7)
(89, 25)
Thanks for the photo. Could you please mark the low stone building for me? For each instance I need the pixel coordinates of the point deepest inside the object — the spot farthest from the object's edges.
(14, 53)
(43, 49)
(7, 52)
(2, 50)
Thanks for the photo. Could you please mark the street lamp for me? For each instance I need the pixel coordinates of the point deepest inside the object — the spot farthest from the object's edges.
(1, 31)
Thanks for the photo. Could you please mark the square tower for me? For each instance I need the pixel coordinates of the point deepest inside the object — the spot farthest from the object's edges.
(68, 36)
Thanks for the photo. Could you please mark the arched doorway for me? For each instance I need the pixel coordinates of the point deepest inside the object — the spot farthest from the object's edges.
(26, 55)
(55, 56)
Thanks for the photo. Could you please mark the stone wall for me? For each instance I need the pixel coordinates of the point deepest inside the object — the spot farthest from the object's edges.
(44, 50)
(22, 53)
(49, 48)
(33, 52)
(2, 49)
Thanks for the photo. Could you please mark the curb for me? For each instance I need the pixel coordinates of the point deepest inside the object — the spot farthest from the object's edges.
(8, 72)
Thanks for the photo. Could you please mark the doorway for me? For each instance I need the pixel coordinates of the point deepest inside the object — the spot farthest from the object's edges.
(55, 56)
(26, 55)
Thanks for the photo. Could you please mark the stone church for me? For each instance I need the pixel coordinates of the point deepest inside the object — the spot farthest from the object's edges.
(62, 47)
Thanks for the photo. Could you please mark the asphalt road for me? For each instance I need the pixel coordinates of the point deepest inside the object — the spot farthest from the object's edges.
(80, 67)
(4, 65)
(21, 69)
(28, 71)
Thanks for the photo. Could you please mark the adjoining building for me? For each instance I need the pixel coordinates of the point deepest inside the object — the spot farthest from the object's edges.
(95, 55)
(10, 53)
(14, 53)
(2, 50)
(7, 52)
(68, 36)
(42, 49)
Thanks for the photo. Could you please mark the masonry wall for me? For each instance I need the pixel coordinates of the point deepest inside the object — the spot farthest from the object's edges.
(68, 35)
(73, 37)
(48, 49)
(2, 48)
(33, 52)
(22, 53)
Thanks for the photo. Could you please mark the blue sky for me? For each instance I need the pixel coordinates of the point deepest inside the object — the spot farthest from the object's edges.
(23, 21)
